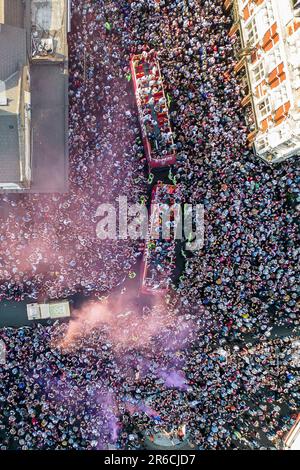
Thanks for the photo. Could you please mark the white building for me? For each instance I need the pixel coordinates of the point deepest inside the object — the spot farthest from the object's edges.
(15, 99)
(269, 33)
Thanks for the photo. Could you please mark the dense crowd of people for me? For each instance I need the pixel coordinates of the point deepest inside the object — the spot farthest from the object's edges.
(49, 243)
(243, 281)
(100, 393)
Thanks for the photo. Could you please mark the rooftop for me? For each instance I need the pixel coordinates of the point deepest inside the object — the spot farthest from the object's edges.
(12, 50)
(9, 145)
(12, 60)
(49, 128)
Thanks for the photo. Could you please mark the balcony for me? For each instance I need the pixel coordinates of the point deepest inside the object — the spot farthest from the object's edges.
(227, 4)
(240, 65)
(246, 100)
(251, 136)
(233, 29)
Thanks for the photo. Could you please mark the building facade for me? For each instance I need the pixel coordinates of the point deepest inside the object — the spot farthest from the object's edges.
(269, 66)
(33, 93)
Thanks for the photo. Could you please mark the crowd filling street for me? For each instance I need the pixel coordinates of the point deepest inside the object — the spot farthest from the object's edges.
(193, 367)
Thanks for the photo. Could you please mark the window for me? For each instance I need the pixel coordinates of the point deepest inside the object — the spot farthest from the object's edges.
(267, 16)
(264, 108)
(259, 72)
(283, 96)
(280, 96)
(252, 35)
(274, 59)
(270, 13)
(262, 144)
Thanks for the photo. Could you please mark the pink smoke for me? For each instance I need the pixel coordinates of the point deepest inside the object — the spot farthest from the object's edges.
(173, 379)
(153, 332)
(126, 327)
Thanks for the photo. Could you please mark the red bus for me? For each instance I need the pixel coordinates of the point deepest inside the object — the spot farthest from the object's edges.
(153, 112)
(159, 256)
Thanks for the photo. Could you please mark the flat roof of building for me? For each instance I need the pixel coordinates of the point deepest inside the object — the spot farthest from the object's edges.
(49, 128)
(12, 50)
(12, 59)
